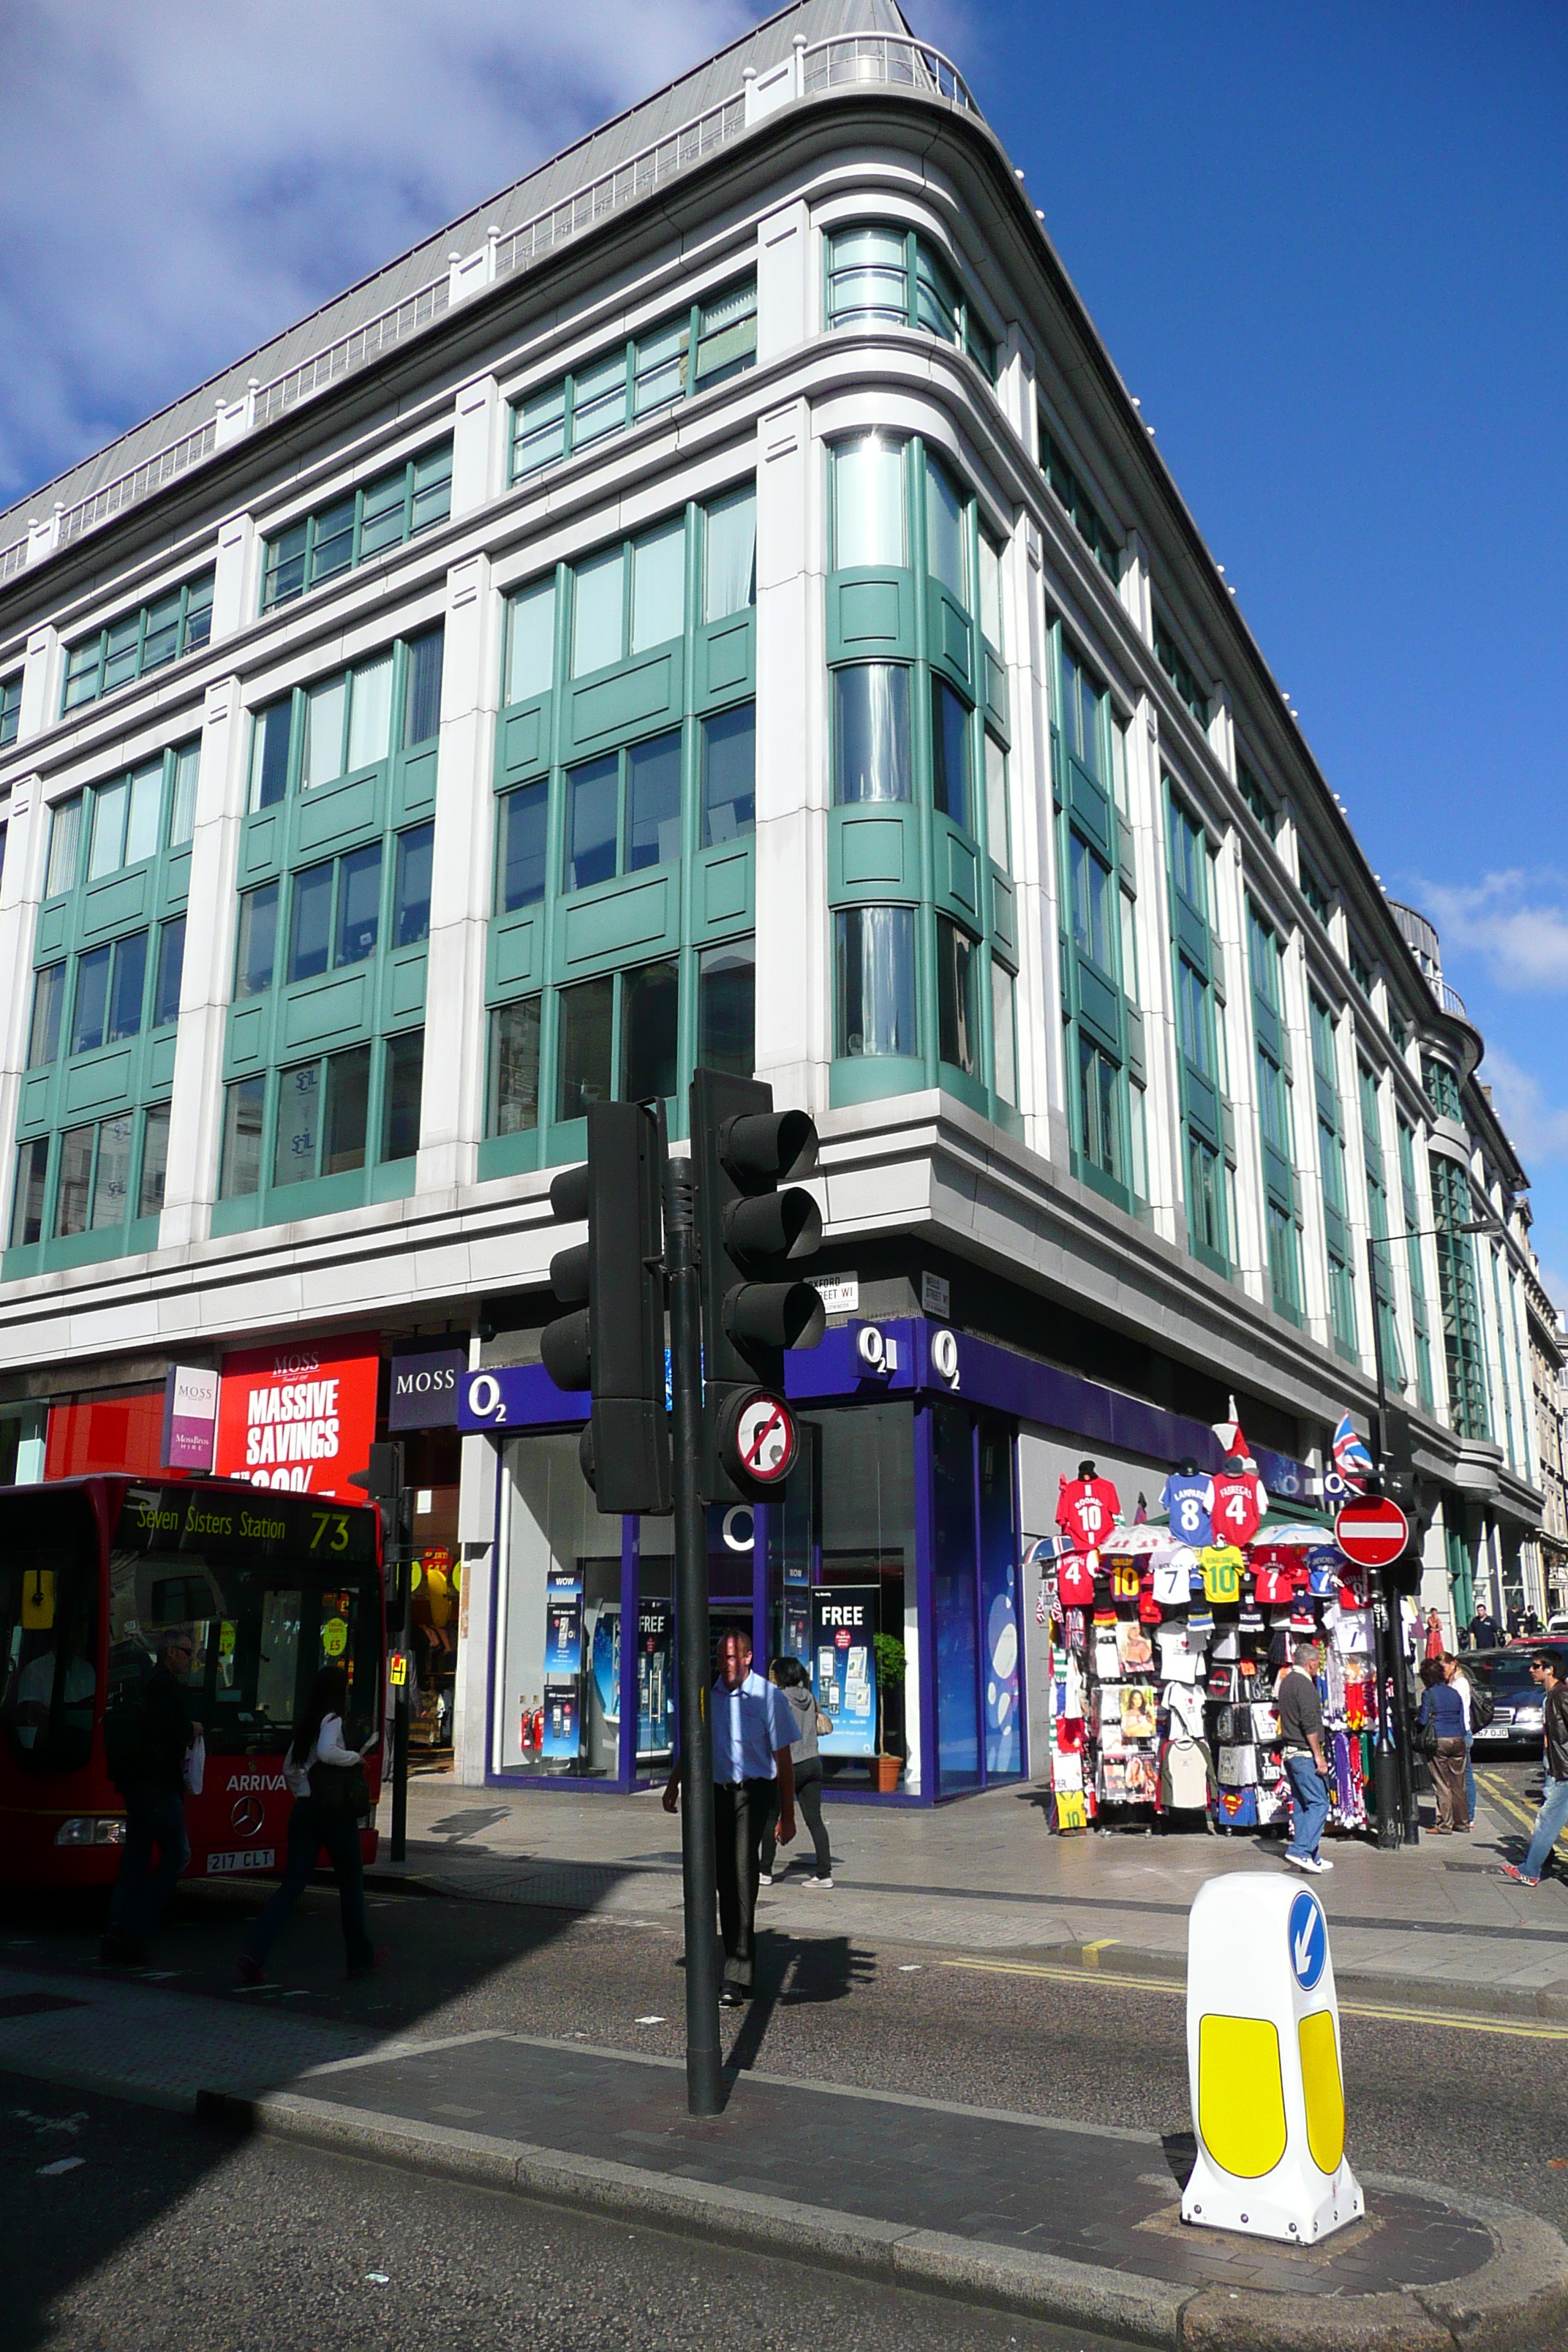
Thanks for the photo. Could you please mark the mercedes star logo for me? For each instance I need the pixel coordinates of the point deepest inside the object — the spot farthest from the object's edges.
(248, 1815)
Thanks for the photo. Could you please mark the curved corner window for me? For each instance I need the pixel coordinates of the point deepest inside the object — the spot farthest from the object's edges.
(871, 712)
(885, 277)
(944, 530)
(950, 756)
(868, 502)
(874, 960)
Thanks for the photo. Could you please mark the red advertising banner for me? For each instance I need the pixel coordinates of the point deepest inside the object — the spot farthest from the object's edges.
(301, 1416)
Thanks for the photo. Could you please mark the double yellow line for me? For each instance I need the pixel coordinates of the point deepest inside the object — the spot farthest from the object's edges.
(1113, 1981)
(1508, 1800)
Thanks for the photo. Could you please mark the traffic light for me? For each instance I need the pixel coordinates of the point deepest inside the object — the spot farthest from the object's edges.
(750, 1237)
(1393, 1446)
(612, 1344)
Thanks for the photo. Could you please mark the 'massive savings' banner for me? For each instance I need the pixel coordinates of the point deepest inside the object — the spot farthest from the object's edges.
(302, 1417)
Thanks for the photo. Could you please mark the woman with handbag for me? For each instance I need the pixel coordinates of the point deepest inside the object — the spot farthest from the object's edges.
(1440, 1736)
(331, 1797)
(793, 1680)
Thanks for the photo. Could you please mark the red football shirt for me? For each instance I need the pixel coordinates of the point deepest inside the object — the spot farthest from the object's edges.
(1087, 1510)
(1240, 1500)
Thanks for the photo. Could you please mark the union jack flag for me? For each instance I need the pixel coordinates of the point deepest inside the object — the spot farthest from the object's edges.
(1352, 1458)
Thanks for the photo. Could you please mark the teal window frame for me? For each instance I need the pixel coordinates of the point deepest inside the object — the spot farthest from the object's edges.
(1379, 1228)
(1098, 883)
(136, 643)
(1459, 1299)
(918, 747)
(1410, 1206)
(10, 708)
(304, 554)
(1315, 895)
(1206, 1121)
(1360, 970)
(1086, 517)
(934, 298)
(1331, 1162)
(1275, 1122)
(1442, 1088)
(661, 365)
(1253, 792)
(691, 685)
(1180, 671)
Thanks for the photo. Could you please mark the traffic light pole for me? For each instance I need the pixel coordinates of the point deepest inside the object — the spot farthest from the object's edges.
(703, 2088)
(1398, 1820)
(400, 1704)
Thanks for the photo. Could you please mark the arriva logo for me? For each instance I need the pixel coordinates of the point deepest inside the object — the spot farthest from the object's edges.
(242, 1783)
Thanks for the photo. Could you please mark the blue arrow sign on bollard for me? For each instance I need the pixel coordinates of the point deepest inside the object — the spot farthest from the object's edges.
(1308, 1934)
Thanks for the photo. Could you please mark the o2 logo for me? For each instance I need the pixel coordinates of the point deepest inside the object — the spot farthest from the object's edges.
(487, 1398)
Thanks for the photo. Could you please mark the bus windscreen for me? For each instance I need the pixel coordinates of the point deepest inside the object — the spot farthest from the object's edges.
(272, 1588)
(49, 1627)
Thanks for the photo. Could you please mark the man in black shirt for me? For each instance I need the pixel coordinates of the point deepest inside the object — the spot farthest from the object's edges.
(1484, 1634)
(151, 1779)
(1546, 1672)
(1301, 1735)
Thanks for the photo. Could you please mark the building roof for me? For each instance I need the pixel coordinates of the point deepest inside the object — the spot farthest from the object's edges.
(416, 281)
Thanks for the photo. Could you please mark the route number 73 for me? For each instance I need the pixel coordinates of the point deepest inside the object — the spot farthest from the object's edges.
(338, 1523)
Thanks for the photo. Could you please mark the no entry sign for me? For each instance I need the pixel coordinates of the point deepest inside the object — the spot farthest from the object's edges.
(1372, 1532)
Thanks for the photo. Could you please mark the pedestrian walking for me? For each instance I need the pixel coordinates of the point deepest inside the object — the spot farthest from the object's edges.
(1306, 1768)
(753, 1729)
(147, 1741)
(1433, 1634)
(1458, 1680)
(1440, 1732)
(326, 1779)
(1546, 1670)
(792, 1678)
(1484, 1634)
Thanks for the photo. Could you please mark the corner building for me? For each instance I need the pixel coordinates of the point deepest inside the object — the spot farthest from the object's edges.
(731, 612)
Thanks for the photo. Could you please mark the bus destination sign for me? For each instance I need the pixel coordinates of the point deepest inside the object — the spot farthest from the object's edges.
(234, 1520)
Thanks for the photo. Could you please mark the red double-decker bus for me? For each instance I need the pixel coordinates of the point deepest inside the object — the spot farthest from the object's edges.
(272, 1586)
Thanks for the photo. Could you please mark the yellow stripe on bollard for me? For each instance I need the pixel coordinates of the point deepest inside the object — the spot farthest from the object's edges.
(1323, 2090)
(1241, 2094)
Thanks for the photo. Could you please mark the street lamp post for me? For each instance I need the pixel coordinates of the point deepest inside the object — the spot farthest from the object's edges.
(1398, 1818)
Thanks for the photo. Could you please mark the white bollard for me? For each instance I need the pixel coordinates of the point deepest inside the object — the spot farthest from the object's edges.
(1264, 2063)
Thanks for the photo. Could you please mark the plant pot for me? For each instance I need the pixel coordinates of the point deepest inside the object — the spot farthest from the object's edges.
(885, 1771)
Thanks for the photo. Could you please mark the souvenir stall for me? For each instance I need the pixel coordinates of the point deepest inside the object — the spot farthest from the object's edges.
(1167, 1641)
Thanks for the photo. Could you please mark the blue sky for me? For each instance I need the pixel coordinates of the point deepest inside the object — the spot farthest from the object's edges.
(1324, 243)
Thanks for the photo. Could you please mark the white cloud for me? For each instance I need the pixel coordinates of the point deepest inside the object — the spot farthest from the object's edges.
(1513, 921)
(180, 179)
(1537, 1129)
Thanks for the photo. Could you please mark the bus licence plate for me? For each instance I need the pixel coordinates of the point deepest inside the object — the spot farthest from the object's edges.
(252, 1857)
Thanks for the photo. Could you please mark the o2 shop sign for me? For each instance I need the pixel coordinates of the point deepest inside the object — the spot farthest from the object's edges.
(302, 1417)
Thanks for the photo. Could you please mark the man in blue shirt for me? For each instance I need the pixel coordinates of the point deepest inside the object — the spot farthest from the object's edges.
(752, 1729)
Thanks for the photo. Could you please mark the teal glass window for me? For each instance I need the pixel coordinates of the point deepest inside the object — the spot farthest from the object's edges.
(1087, 519)
(998, 823)
(530, 642)
(125, 820)
(524, 823)
(652, 802)
(154, 1162)
(27, 1199)
(952, 785)
(411, 902)
(177, 624)
(1257, 799)
(881, 276)
(90, 1013)
(1192, 1016)
(1361, 970)
(591, 793)
(946, 533)
(49, 1005)
(958, 1028)
(726, 1007)
(65, 846)
(869, 505)
(171, 971)
(129, 992)
(1004, 1030)
(1080, 718)
(359, 905)
(649, 1030)
(1442, 1088)
(183, 805)
(269, 755)
(310, 933)
(335, 913)
(244, 1104)
(1090, 882)
(340, 725)
(94, 1185)
(729, 754)
(699, 346)
(323, 1110)
(402, 1094)
(871, 727)
(356, 525)
(729, 555)
(874, 974)
(1315, 895)
(990, 591)
(1099, 1085)
(1189, 862)
(422, 688)
(514, 1068)
(256, 952)
(586, 1045)
(1180, 672)
(10, 708)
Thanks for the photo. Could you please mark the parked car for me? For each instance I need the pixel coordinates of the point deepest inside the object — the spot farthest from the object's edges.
(1517, 1704)
(1557, 1624)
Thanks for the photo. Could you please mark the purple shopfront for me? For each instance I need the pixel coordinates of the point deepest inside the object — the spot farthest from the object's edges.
(891, 1564)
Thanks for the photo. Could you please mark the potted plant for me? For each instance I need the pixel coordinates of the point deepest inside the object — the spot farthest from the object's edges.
(890, 1668)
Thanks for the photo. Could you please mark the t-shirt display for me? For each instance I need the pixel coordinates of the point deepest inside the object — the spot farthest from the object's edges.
(1166, 1659)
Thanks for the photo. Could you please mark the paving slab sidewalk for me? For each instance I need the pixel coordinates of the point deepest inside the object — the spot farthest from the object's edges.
(985, 1875)
(1064, 2221)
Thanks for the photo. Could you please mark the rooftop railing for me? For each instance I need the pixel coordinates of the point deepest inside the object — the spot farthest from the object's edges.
(889, 60)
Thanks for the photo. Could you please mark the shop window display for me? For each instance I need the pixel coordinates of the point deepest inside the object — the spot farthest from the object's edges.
(1167, 1642)
(560, 1602)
